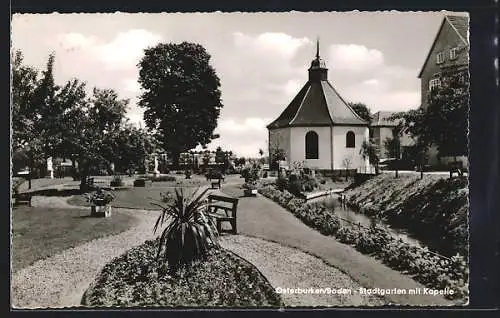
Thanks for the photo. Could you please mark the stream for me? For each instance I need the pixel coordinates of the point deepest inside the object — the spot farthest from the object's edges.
(348, 216)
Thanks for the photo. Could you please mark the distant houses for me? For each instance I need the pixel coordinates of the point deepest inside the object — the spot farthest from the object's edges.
(448, 52)
(382, 128)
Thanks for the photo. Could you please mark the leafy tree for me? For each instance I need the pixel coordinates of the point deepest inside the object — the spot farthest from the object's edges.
(393, 147)
(33, 103)
(444, 122)
(417, 125)
(132, 145)
(448, 113)
(362, 110)
(278, 154)
(369, 150)
(181, 96)
(94, 130)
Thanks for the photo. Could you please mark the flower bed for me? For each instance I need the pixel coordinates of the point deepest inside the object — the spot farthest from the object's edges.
(425, 267)
(222, 280)
(162, 178)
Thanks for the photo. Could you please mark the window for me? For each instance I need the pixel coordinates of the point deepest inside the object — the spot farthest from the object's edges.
(439, 58)
(312, 145)
(350, 140)
(453, 53)
(434, 83)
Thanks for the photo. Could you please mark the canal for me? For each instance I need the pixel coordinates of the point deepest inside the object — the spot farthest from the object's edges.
(350, 218)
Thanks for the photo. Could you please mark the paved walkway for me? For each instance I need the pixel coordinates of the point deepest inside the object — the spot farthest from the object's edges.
(261, 217)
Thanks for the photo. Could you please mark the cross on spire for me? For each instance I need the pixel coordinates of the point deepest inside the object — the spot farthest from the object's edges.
(317, 47)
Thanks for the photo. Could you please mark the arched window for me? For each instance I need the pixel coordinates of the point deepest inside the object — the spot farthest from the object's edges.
(312, 145)
(350, 140)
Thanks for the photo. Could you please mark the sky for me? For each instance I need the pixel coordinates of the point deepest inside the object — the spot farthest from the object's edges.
(260, 58)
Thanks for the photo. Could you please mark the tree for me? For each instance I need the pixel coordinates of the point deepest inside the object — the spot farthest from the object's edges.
(393, 147)
(181, 96)
(277, 155)
(33, 112)
(362, 110)
(369, 150)
(132, 145)
(94, 131)
(448, 113)
(417, 125)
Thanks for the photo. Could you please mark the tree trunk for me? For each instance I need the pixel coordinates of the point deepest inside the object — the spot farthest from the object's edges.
(30, 168)
(175, 159)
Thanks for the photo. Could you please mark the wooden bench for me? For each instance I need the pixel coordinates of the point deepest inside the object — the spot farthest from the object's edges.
(228, 206)
(216, 183)
(22, 198)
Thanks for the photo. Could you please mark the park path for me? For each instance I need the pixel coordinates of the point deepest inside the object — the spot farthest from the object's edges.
(263, 218)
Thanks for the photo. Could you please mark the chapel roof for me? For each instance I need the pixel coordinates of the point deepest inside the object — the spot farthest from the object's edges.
(317, 103)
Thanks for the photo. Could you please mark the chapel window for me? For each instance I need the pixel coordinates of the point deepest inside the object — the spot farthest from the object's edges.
(312, 151)
(350, 140)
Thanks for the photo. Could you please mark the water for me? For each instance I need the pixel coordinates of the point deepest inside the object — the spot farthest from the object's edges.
(348, 217)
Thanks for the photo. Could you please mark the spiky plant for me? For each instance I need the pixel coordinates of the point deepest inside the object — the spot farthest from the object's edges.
(190, 233)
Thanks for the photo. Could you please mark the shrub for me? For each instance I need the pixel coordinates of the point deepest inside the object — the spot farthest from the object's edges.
(140, 183)
(214, 174)
(190, 233)
(117, 181)
(251, 174)
(162, 178)
(100, 197)
(281, 183)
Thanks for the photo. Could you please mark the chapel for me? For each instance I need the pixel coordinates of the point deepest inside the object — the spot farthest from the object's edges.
(318, 128)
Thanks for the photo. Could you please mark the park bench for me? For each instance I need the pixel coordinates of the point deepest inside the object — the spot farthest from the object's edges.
(22, 198)
(456, 167)
(216, 182)
(223, 209)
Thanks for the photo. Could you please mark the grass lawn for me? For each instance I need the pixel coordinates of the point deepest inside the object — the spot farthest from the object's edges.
(137, 197)
(38, 233)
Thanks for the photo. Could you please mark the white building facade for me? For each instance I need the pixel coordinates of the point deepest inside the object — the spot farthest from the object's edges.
(319, 128)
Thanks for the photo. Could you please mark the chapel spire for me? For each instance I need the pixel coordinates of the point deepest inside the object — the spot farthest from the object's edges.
(318, 70)
(317, 47)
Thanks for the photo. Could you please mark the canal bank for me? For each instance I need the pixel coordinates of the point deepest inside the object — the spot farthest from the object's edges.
(433, 210)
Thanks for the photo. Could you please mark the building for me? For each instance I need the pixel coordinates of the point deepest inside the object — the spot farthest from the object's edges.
(318, 127)
(448, 53)
(382, 128)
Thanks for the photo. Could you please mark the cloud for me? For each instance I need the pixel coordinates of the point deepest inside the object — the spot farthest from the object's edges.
(122, 52)
(353, 57)
(127, 48)
(272, 45)
(248, 124)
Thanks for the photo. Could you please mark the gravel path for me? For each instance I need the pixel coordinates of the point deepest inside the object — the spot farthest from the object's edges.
(287, 267)
(61, 280)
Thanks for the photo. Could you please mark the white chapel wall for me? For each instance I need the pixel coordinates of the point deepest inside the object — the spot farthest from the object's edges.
(298, 147)
(280, 139)
(341, 152)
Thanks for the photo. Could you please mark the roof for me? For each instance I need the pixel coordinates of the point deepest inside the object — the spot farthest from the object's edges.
(380, 119)
(317, 103)
(460, 24)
